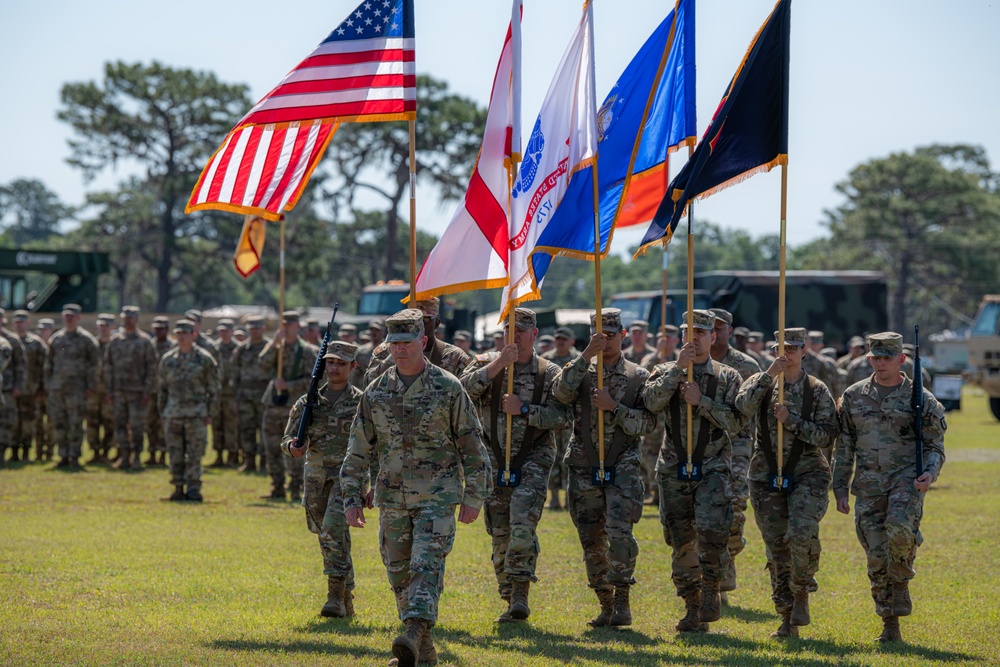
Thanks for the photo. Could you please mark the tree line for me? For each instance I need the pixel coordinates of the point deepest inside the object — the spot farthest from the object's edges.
(928, 218)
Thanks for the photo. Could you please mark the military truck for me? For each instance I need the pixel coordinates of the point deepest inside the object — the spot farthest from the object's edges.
(984, 351)
(380, 300)
(44, 281)
(648, 305)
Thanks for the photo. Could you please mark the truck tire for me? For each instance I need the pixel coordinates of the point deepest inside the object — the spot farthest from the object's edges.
(995, 407)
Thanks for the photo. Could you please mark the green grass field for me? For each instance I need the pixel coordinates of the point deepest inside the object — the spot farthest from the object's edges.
(96, 569)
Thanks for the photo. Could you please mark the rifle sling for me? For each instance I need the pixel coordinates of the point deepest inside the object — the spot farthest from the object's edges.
(704, 431)
(530, 436)
(628, 400)
(765, 431)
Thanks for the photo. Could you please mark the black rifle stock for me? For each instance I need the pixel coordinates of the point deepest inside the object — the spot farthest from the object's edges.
(312, 396)
(917, 402)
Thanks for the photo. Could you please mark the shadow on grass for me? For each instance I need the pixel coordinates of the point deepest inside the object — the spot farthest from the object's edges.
(747, 614)
(298, 646)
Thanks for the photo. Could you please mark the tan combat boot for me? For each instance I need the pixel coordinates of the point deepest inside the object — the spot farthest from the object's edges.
(519, 610)
(901, 603)
(690, 622)
(800, 608)
(348, 603)
(623, 613)
(606, 596)
(428, 654)
(786, 629)
(729, 581)
(890, 631)
(406, 647)
(334, 607)
(711, 603)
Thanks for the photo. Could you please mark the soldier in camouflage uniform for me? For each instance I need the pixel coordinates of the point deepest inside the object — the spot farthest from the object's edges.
(188, 388)
(638, 352)
(129, 373)
(298, 359)
(441, 354)
(15, 382)
(35, 351)
(877, 445)
(563, 353)
(822, 367)
(420, 426)
(249, 384)
(696, 512)
(856, 348)
(100, 410)
(154, 424)
(605, 514)
(755, 346)
(742, 442)
(789, 520)
(6, 353)
(225, 425)
(328, 433)
(365, 350)
(513, 511)
(43, 425)
(70, 381)
(666, 350)
(194, 316)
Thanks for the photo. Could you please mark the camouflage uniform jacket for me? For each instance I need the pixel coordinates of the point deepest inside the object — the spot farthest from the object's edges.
(825, 370)
(15, 376)
(443, 355)
(189, 384)
(653, 361)
(878, 439)
(6, 354)
(130, 363)
(741, 362)
(634, 421)
(363, 360)
(817, 430)
(208, 345)
(908, 367)
(162, 347)
(226, 351)
(427, 440)
(248, 378)
(858, 370)
(719, 410)
(639, 359)
(72, 361)
(330, 430)
(553, 356)
(295, 368)
(35, 352)
(547, 417)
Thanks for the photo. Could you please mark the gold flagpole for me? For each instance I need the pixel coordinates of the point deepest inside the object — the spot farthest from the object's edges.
(413, 210)
(666, 259)
(781, 312)
(690, 326)
(511, 169)
(281, 283)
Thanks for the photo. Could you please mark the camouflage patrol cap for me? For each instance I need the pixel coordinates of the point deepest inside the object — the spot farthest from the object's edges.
(342, 350)
(755, 336)
(640, 325)
(430, 307)
(255, 322)
(885, 344)
(46, 323)
(72, 309)
(312, 323)
(105, 318)
(524, 319)
(290, 317)
(462, 334)
(742, 332)
(193, 315)
(184, 326)
(856, 341)
(611, 320)
(374, 324)
(816, 336)
(405, 326)
(225, 324)
(130, 311)
(564, 332)
(908, 349)
(703, 319)
(794, 336)
(829, 352)
(721, 314)
(161, 322)
(546, 339)
(347, 328)
(671, 330)
(365, 337)
(21, 315)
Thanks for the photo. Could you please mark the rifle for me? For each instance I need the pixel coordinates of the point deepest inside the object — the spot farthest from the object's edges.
(917, 402)
(312, 396)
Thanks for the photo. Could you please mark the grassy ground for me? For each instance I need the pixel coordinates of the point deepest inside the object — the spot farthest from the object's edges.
(96, 569)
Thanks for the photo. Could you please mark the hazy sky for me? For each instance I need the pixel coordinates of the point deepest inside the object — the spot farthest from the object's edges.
(869, 77)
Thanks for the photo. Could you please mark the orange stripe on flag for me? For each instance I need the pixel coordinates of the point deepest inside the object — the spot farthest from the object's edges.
(645, 191)
(250, 245)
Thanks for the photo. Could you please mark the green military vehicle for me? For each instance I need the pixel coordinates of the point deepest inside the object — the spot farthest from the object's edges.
(380, 300)
(984, 351)
(44, 281)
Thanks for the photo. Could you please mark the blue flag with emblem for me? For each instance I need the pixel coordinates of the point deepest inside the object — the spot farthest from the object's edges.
(747, 135)
(649, 113)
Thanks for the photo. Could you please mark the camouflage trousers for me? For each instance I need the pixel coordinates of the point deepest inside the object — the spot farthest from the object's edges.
(414, 544)
(275, 419)
(888, 528)
(650, 453)
(604, 517)
(130, 421)
(251, 417)
(67, 410)
(696, 518)
(8, 421)
(24, 429)
(154, 428)
(789, 526)
(186, 438)
(325, 518)
(43, 428)
(559, 474)
(226, 426)
(100, 422)
(512, 515)
(739, 470)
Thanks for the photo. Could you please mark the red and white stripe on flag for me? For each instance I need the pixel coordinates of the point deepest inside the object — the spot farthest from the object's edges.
(472, 252)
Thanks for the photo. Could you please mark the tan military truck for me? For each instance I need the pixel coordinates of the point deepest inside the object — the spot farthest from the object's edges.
(984, 350)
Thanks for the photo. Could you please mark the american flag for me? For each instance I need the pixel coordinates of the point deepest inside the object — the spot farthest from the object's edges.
(364, 71)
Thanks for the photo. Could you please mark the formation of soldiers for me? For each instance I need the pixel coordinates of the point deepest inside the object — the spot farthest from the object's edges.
(419, 428)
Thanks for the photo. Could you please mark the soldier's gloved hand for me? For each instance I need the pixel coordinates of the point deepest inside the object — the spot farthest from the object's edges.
(295, 450)
(467, 514)
(355, 517)
(923, 483)
(512, 404)
(597, 343)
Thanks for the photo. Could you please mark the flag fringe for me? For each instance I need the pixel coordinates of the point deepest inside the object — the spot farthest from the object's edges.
(457, 288)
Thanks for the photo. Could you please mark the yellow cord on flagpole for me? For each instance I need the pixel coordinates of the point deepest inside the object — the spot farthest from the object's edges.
(781, 314)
